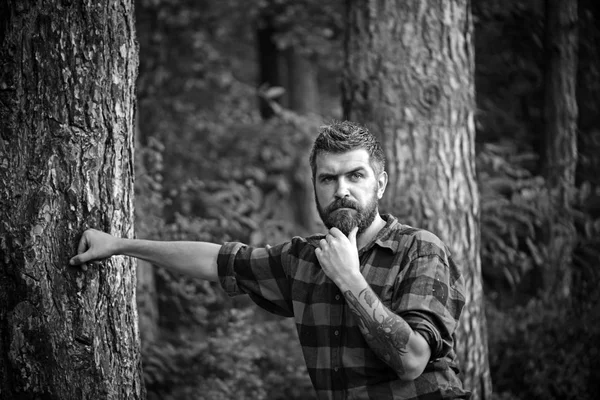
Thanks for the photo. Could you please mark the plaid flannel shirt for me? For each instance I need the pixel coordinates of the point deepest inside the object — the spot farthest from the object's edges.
(411, 272)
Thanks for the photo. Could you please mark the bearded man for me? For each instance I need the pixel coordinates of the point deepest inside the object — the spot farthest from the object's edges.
(376, 303)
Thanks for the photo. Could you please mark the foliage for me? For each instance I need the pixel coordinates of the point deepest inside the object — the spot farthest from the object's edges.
(208, 350)
(514, 208)
(544, 350)
(149, 202)
(538, 348)
(587, 252)
(242, 360)
(509, 71)
(558, 339)
(310, 26)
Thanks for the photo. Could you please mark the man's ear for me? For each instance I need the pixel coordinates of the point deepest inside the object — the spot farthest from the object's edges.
(382, 181)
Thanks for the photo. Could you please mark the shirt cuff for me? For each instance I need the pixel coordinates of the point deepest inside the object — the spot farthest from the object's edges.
(226, 267)
(424, 324)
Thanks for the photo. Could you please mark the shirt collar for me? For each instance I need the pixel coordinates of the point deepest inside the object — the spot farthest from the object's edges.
(385, 237)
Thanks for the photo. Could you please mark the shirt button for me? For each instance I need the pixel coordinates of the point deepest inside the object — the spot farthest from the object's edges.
(336, 332)
(336, 369)
(337, 296)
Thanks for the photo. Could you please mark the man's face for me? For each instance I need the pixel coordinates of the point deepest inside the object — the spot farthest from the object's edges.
(347, 190)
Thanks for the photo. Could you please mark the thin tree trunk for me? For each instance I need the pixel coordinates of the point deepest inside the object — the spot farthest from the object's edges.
(302, 87)
(66, 163)
(269, 61)
(303, 98)
(409, 77)
(560, 120)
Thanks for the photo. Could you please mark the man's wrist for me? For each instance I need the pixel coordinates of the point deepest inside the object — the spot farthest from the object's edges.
(119, 246)
(354, 282)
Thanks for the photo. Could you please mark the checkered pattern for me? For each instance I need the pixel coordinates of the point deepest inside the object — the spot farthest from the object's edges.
(411, 272)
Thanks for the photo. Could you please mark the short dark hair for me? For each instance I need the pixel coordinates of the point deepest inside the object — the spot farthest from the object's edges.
(340, 137)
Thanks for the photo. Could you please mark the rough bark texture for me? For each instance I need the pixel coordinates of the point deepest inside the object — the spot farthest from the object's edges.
(67, 74)
(560, 120)
(409, 78)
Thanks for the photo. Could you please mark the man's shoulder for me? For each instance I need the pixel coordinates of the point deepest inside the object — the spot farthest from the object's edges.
(418, 240)
(427, 238)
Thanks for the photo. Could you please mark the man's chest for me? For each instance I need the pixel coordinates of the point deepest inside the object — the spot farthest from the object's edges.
(318, 301)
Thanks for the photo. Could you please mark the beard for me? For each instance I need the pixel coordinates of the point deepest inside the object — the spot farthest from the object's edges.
(353, 215)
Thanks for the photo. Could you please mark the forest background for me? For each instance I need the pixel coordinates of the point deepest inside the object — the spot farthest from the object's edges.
(214, 163)
(218, 159)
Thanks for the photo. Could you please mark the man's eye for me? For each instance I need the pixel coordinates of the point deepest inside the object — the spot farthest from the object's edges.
(355, 176)
(326, 179)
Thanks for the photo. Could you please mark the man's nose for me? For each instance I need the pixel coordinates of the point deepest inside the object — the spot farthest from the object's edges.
(342, 189)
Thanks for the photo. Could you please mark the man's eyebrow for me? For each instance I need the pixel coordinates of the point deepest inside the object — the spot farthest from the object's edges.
(357, 169)
(322, 175)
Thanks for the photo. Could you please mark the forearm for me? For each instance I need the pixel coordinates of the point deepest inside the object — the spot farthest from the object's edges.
(386, 333)
(195, 259)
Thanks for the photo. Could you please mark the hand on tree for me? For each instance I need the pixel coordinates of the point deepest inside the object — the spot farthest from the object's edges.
(94, 246)
(338, 256)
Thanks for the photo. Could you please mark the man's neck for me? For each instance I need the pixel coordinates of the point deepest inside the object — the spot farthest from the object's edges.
(365, 238)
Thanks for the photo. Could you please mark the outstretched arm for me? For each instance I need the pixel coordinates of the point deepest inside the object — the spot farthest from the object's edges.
(196, 259)
(387, 334)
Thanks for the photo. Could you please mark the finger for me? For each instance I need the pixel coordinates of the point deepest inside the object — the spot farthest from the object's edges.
(352, 235)
(318, 253)
(75, 261)
(335, 232)
(323, 243)
(322, 258)
(81, 258)
(83, 244)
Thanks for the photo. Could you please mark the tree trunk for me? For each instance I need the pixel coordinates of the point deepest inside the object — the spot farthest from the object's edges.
(409, 78)
(303, 98)
(560, 121)
(302, 86)
(268, 60)
(588, 95)
(66, 163)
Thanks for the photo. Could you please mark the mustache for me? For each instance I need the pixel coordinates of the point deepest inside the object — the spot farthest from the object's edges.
(342, 203)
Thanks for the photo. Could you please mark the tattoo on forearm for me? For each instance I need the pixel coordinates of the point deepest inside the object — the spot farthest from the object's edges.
(386, 333)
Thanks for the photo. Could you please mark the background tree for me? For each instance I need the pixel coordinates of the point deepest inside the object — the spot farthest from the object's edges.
(409, 76)
(270, 56)
(560, 130)
(67, 75)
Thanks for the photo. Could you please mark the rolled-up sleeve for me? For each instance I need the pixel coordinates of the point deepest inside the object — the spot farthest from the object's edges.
(430, 294)
(261, 273)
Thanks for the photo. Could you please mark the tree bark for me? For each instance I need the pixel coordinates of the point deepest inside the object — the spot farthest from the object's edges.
(409, 77)
(560, 121)
(67, 76)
